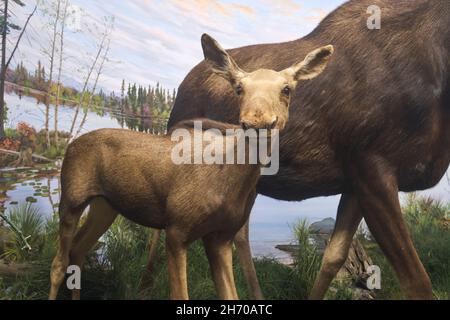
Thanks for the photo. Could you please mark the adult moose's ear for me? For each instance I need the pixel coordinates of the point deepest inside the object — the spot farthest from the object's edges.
(313, 65)
(221, 62)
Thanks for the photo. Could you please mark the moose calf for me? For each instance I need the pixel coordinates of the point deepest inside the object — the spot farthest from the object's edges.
(130, 173)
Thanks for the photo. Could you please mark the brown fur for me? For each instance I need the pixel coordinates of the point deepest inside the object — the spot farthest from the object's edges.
(123, 172)
(378, 116)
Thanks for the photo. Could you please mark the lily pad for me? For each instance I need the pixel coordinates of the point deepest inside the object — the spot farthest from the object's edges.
(30, 199)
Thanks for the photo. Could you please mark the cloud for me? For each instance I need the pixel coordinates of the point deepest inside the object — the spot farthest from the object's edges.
(244, 9)
(286, 7)
(211, 7)
(316, 15)
(159, 41)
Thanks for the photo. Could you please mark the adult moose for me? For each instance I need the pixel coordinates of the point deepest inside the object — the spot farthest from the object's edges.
(377, 122)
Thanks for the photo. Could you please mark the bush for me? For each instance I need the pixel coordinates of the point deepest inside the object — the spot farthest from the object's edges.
(29, 222)
(307, 260)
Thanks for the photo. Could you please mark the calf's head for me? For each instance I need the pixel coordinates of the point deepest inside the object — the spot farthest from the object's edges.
(264, 95)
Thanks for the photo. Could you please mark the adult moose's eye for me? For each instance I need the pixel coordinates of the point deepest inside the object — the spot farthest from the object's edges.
(239, 90)
(286, 91)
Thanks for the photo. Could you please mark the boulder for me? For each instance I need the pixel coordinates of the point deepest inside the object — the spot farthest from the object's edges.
(325, 226)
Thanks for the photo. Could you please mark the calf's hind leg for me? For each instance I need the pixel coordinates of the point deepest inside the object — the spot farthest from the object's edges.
(219, 252)
(100, 217)
(68, 221)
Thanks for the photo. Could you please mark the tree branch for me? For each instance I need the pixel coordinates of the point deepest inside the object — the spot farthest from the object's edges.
(20, 37)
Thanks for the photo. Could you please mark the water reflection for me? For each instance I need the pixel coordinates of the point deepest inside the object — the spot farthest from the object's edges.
(39, 186)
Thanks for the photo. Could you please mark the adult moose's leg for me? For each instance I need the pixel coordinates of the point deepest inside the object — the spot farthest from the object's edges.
(176, 263)
(347, 221)
(242, 243)
(376, 186)
(220, 256)
(153, 242)
(100, 217)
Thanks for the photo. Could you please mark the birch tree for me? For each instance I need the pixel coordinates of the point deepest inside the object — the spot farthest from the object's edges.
(61, 58)
(54, 12)
(85, 91)
(5, 28)
(99, 72)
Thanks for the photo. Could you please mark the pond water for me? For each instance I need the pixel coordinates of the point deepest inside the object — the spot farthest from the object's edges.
(271, 220)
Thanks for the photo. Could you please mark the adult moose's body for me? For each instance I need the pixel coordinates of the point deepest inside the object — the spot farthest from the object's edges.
(376, 122)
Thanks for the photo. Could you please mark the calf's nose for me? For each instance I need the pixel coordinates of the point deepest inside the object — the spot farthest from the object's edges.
(273, 124)
(246, 125)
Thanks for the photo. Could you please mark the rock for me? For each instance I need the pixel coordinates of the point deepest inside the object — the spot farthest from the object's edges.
(289, 248)
(325, 226)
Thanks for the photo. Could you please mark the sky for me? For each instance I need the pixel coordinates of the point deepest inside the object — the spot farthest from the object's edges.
(159, 41)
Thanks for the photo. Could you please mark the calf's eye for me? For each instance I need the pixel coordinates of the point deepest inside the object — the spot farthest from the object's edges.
(239, 90)
(286, 91)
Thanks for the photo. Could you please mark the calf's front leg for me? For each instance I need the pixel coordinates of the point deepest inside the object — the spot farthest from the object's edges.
(242, 243)
(176, 263)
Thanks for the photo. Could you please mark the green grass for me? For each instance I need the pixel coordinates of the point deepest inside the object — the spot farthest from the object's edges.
(29, 221)
(115, 268)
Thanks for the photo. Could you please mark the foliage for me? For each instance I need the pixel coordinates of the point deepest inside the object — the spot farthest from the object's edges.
(7, 24)
(114, 269)
(144, 109)
(37, 140)
(30, 223)
(308, 260)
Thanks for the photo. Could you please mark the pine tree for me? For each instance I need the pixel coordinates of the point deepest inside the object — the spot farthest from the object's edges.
(122, 93)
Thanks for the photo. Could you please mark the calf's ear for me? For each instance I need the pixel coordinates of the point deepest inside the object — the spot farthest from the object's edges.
(220, 61)
(313, 64)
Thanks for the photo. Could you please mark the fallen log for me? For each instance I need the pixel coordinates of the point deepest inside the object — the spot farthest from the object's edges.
(34, 156)
(13, 270)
